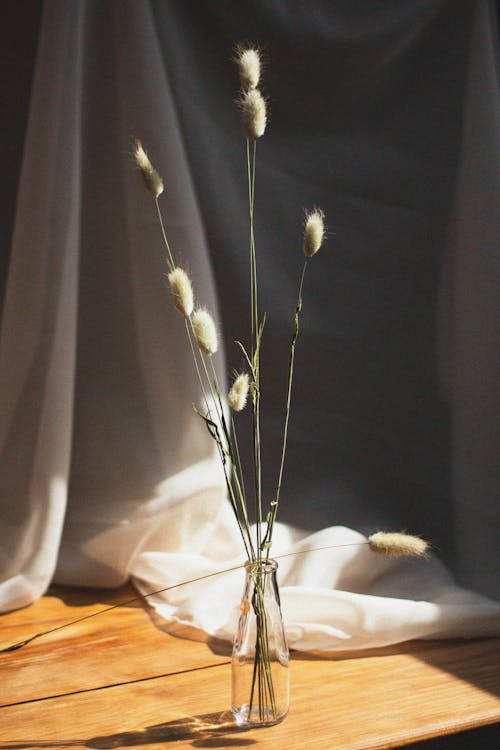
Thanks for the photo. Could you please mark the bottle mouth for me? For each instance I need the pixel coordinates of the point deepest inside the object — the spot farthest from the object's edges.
(265, 566)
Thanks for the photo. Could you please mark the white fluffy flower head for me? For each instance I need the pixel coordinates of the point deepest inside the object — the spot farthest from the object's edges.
(253, 114)
(182, 291)
(314, 232)
(397, 544)
(152, 180)
(237, 396)
(248, 61)
(204, 331)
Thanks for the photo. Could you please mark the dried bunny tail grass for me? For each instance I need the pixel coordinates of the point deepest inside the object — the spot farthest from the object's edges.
(249, 66)
(238, 394)
(204, 331)
(152, 180)
(314, 232)
(397, 544)
(182, 291)
(253, 114)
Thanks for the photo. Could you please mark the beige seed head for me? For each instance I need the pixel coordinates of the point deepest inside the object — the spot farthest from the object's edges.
(182, 291)
(237, 396)
(141, 158)
(397, 544)
(314, 232)
(152, 180)
(204, 331)
(253, 114)
(248, 61)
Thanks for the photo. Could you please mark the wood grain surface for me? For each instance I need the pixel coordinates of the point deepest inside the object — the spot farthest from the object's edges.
(127, 679)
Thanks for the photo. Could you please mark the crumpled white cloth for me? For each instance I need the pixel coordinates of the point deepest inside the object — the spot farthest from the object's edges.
(340, 598)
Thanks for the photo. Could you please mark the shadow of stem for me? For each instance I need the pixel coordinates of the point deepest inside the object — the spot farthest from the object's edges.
(204, 730)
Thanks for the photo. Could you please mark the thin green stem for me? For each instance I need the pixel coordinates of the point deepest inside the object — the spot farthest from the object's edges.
(193, 352)
(262, 678)
(231, 454)
(250, 209)
(235, 494)
(257, 473)
(256, 333)
(238, 457)
(274, 505)
(170, 258)
(245, 533)
(16, 646)
(252, 245)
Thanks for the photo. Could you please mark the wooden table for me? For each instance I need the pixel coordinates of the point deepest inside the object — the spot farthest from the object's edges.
(127, 679)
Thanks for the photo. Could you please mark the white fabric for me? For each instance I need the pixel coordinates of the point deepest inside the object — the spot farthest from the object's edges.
(337, 599)
(97, 429)
(106, 470)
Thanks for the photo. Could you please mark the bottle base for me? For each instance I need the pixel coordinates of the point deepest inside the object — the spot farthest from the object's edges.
(256, 717)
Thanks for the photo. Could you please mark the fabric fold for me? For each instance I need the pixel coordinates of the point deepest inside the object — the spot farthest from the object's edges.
(341, 597)
(38, 333)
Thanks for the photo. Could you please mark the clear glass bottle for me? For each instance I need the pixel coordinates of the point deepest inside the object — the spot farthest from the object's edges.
(260, 662)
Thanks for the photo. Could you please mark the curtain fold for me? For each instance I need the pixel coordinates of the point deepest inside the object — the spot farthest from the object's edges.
(38, 334)
(98, 433)
(135, 431)
(474, 345)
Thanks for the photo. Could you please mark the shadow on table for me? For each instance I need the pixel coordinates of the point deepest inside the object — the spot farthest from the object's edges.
(474, 661)
(189, 633)
(471, 660)
(125, 596)
(204, 730)
(482, 738)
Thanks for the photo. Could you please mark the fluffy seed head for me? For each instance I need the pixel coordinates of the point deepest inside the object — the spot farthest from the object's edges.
(182, 291)
(152, 180)
(253, 114)
(397, 544)
(237, 396)
(204, 331)
(314, 232)
(248, 61)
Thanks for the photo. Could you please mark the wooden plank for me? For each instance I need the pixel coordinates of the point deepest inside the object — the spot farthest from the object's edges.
(370, 702)
(112, 648)
(375, 699)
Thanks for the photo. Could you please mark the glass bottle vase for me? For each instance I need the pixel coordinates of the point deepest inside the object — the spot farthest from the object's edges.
(260, 661)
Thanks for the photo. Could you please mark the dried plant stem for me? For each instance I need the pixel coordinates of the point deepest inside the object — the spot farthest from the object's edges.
(218, 442)
(225, 444)
(262, 678)
(258, 474)
(256, 334)
(16, 646)
(233, 455)
(238, 457)
(211, 388)
(262, 674)
(251, 159)
(193, 352)
(170, 259)
(275, 503)
(233, 497)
